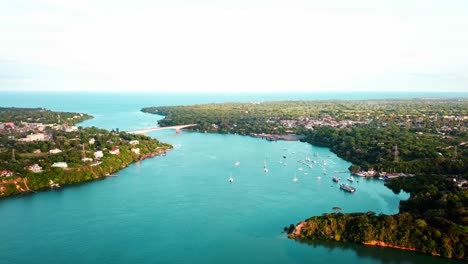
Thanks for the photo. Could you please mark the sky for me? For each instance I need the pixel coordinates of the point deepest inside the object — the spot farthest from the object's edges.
(234, 46)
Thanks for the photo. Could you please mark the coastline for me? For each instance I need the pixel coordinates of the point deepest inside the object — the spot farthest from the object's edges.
(21, 183)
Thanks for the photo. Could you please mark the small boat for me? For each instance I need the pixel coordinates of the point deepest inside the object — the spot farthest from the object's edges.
(347, 188)
(265, 168)
(319, 178)
(237, 163)
(335, 179)
(351, 178)
(231, 179)
(295, 178)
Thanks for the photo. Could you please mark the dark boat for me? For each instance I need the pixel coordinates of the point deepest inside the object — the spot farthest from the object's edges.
(335, 179)
(347, 188)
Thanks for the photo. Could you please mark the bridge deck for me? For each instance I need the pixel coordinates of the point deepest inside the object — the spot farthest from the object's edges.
(146, 130)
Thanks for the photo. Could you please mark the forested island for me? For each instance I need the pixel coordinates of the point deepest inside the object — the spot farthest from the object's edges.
(42, 149)
(403, 137)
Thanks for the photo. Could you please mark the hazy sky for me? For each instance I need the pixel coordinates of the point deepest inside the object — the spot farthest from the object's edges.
(239, 45)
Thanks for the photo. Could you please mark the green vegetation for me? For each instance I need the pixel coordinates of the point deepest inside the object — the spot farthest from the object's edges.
(77, 148)
(433, 221)
(414, 136)
(394, 149)
(40, 115)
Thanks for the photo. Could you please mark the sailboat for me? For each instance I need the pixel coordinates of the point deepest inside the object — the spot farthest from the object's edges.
(265, 168)
(295, 178)
(230, 178)
(237, 163)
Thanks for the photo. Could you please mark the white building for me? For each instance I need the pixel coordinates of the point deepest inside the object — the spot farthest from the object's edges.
(98, 154)
(71, 129)
(6, 173)
(115, 151)
(134, 142)
(60, 165)
(136, 151)
(86, 159)
(91, 141)
(54, 151)
(33, 137)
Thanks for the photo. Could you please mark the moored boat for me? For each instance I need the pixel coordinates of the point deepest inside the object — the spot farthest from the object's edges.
(335, 179)
(347, 188)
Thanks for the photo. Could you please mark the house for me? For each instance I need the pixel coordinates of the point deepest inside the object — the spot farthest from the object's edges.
(136, 150)
(134, 142)
(33, 137)
(9, 124)
(34, 168)
(6, 173)
(91, 141)
(71, 128)
(60, 165)
(54, 151)
(86, 159)
(114, 151)
(98, 154)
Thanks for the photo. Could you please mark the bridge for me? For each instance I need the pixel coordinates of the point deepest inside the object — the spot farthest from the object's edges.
(146, 130)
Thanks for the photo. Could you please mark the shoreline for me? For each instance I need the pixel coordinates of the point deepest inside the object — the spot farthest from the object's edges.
(21, 183)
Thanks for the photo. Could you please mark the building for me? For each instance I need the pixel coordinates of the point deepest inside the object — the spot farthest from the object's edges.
(134, 142)
(70, 128)
(54, 151)
(115, 151)
(136, 151)
(34, 168)
(60, 165)
(6, 173)
(9, 124)
(86, 159)
(91, 141)
(33, 137)
(98, 154)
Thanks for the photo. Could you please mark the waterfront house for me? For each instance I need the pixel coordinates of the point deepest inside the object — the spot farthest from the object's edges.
(34, 168)
(60, 165)
(136, 151)
(114, 151)
(6, 173)
(98, 154)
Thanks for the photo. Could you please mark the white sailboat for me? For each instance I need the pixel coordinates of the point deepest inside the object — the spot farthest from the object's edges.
(265, 168)
(231, 179)
(295, 178)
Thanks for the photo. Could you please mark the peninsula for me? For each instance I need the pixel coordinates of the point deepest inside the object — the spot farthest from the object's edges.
(392, 138)
(42, 149)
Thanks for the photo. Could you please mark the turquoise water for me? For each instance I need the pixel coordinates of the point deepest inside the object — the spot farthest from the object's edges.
(181, 208)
